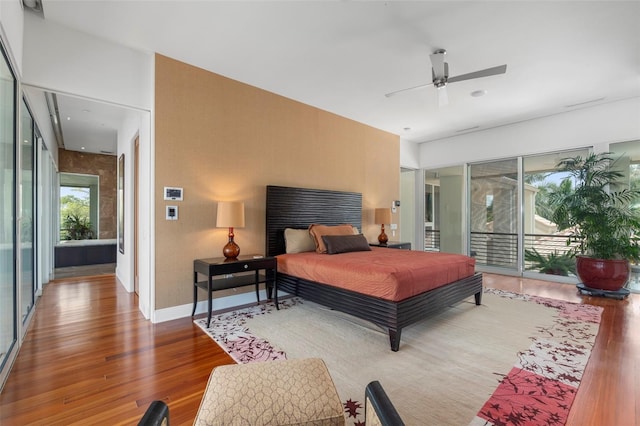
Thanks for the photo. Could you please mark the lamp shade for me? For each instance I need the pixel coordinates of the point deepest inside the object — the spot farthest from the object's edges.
(383, 216)
(230, 214)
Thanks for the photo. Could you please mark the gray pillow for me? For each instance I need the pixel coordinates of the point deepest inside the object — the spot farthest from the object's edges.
(345, 243)
(298, 241)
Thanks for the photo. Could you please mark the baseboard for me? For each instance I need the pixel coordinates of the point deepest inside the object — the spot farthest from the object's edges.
(219, 304)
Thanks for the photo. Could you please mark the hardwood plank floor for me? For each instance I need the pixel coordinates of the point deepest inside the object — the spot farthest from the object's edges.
(91, 358)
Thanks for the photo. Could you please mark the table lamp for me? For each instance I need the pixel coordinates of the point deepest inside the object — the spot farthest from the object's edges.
(383, 216)
(230, 215)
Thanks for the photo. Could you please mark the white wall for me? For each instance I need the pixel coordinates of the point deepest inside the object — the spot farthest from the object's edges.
(146, 221)
(11, 25)
(409, 154)
(66, 61)
(127, 134)
(137, 124)
(596, 126)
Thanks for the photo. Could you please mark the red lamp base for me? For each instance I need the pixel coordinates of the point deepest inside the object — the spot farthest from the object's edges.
(382, 238)
(231, 250)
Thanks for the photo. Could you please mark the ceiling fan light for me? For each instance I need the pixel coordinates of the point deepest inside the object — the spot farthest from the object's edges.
(443, 97)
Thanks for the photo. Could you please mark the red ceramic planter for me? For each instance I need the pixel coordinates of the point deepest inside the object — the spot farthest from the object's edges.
(610, 275)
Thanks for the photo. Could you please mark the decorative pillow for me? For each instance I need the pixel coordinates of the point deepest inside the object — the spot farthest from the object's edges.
(345, 243)
(317, 231)
(298, 240)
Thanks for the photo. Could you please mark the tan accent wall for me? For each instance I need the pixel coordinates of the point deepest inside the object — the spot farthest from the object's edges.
(220, 139)
(104, 166)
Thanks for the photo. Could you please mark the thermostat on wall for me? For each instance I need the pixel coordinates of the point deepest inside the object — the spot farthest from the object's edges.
(171, 193)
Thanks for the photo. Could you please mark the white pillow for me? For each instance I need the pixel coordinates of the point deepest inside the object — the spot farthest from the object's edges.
(298, 240)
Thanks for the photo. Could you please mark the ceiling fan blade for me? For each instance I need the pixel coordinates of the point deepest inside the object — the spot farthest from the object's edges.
(478, 74)
(443, 97)
(388, 95)
(438, 64)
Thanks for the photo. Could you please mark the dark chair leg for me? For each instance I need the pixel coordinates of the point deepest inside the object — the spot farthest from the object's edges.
(376, 399)
(157, 414)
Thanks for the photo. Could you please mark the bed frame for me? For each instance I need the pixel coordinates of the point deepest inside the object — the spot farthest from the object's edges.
(298, 208)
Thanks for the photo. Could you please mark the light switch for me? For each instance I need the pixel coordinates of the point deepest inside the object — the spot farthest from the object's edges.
(172, 212)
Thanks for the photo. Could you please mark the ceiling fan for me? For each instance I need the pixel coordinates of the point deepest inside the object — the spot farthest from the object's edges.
(440, 76)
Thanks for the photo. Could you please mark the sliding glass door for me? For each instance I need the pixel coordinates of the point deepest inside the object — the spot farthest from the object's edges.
(444, 210)
(629, 165)
(494, 200)
(8, 308)
(545, 246)
(508, 226)
(27, 210)
(510, 215)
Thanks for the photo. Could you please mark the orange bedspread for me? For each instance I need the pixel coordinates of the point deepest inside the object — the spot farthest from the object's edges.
(386, 273)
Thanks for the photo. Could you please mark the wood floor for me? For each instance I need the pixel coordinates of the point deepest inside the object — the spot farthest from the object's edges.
(90, 358)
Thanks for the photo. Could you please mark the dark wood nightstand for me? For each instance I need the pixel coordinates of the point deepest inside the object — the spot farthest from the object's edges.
(393, 244)
(219, 272)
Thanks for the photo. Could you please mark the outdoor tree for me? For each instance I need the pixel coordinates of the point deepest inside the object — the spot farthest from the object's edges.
(74, 214)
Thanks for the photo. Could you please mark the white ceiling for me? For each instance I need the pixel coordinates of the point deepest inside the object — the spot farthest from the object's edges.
(89, 126)
(343, 56)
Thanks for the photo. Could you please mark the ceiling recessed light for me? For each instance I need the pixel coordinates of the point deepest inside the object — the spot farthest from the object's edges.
(68, 118)
(86, 110)
(82, 148)
(478, 93)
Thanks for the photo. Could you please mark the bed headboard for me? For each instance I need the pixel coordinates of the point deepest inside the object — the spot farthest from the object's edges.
(298, 208)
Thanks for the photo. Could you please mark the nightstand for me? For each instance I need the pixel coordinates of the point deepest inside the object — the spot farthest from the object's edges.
(219, 272)
(393, 244)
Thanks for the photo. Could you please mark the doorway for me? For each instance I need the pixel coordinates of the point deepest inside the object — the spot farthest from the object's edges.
(136, 180)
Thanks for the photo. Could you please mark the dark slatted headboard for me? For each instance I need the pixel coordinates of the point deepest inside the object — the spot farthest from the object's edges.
(298, 208)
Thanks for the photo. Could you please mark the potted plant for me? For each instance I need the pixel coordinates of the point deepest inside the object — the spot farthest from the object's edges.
(605, 224)
(553, 263)
(77, 228)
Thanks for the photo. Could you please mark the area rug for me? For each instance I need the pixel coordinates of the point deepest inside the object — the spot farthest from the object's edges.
(516, 359)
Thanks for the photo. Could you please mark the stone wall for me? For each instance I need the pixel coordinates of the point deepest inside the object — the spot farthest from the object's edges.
(104, 166)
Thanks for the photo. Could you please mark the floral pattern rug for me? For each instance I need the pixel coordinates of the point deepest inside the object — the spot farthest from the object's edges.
(542, 385)
(539, 389)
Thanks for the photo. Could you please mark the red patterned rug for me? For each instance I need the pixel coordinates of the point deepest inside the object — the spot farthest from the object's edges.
(447, 367)
(541, 387)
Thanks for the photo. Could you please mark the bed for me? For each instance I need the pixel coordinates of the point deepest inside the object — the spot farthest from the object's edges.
(298, 208)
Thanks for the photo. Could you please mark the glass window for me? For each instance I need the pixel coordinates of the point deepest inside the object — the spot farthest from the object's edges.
(494, 213)
(444, 210)
(27, 206)
(78, 206)
(629, 164)
(545, 245)
(8, 314)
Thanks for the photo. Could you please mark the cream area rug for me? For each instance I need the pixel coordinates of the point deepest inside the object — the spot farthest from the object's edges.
(516, 359)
